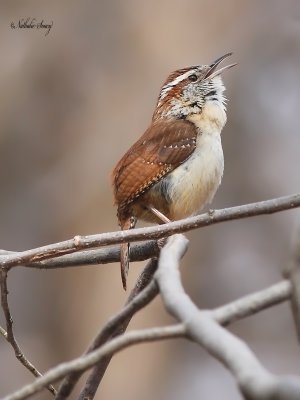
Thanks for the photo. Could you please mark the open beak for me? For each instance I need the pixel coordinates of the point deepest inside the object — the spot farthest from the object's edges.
(213, 71)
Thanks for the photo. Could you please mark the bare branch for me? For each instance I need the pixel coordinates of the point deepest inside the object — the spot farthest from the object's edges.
(255, 382)
(3, 332)
(292, 271)
(224, 314)
(155, 232)
(144, 291)
(138, 252)
(9, 334)
(253, 303)
(241, 308)
(86, 362)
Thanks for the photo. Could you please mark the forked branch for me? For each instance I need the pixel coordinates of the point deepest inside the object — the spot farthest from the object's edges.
(156, 232)
(238, 309)
(255, 382)
(59, 255)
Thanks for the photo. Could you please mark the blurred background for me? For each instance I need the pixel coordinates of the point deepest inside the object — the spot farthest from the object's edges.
(71, 103)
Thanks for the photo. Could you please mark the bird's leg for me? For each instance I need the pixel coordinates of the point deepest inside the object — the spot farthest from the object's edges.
(158, 214)
(162, 241)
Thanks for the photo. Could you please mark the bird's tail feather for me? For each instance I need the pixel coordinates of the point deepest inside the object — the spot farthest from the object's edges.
(127, 223)
(124, 258)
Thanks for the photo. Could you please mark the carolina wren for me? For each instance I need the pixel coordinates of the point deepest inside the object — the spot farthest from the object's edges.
(176, 166)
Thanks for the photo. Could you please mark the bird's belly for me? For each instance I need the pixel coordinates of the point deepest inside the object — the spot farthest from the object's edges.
(194, 183)
(187, 189)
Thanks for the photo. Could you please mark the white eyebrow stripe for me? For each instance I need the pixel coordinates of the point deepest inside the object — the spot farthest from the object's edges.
(165, 89)
(181, 77)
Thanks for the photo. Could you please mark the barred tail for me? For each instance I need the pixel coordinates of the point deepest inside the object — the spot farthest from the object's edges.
(126, 223)
(124, 258)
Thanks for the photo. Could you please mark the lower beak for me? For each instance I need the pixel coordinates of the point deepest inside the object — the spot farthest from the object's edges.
(212, 72)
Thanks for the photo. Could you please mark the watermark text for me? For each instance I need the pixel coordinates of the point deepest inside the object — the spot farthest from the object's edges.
(32, 23)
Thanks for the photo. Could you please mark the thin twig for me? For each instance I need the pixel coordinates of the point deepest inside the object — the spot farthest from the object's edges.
(9, 334)
(156, 232)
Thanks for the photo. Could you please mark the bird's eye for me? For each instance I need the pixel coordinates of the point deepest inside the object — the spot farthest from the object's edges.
(193, 78)
(211, 93)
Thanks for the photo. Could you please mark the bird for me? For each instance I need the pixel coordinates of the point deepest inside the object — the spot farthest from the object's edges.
(175, 168)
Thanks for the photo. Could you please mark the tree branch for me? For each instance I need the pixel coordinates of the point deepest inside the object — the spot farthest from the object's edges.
(253, 303)
(85, 362)
(226, 314)
(155, 232)
(9, 334)
(255, 382)
(292, 271)
(138, 252)
(143, 293)
(55, 256)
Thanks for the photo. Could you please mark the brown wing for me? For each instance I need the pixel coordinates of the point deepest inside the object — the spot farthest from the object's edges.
(162, 148)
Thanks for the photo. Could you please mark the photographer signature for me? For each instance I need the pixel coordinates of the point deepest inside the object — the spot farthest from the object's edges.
(32, 23)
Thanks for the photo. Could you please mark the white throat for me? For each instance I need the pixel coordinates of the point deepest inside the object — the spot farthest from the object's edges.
(212, 118)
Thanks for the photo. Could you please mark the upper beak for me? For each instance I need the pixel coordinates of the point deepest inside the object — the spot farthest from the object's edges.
(212, 72)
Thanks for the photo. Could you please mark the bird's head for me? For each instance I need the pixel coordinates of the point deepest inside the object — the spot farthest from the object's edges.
(187, 90)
